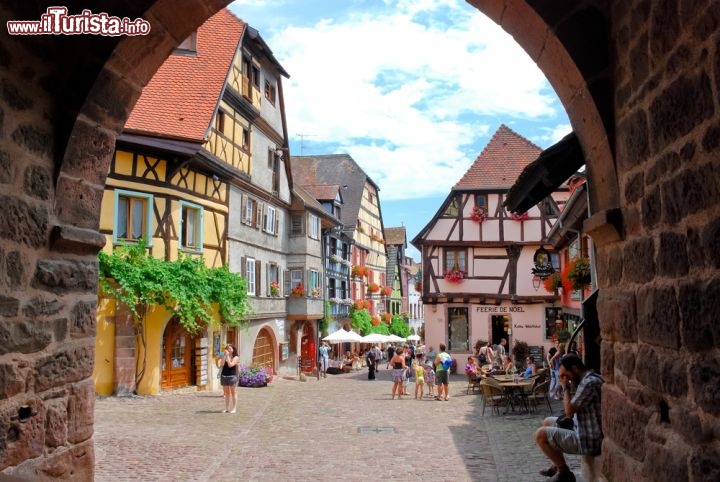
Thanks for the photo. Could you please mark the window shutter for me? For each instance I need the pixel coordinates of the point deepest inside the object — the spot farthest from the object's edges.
(243, 209)
(267, 279)
(286, 281)
(258, 267)
(259, 215)
(243, 267)
(277, 223)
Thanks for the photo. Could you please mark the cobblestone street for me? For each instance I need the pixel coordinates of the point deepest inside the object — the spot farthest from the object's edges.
(344, 427)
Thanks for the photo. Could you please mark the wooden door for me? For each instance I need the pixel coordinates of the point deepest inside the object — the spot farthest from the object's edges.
(264, 350)
(308, 354)
(177, 370)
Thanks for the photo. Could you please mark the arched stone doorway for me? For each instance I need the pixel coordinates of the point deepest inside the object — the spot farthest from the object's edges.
(264, 349)
(641, 84)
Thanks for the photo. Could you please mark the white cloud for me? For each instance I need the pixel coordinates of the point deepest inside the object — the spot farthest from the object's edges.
(409, 90)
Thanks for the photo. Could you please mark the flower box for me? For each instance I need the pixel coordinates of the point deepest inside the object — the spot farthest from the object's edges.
(579, 273)
(359, 271)
(274, 289)
(385, 290)
(519, 217)
(373, 288)
(298, 291)
(455, 276)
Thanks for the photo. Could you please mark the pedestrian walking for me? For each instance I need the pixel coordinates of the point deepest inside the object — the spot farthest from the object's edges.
(324, 351)
(371, 364)
(419, 380)
(430, 378)
(398, 367)
(443, 362)
(390, 354)
(229, 377)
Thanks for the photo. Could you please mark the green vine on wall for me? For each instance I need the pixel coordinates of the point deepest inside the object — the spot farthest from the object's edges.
(186, 287)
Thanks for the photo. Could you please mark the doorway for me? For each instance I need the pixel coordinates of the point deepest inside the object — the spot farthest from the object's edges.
(500, 326)
(308, 349)
(177, 361)
(264, 350)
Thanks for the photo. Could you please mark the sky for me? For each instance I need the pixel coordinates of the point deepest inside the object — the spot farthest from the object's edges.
(413, 90)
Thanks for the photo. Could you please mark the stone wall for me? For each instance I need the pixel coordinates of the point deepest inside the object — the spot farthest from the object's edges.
(660, 286)
(63, 99)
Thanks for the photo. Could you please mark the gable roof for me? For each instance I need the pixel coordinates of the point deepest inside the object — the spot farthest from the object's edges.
(500, 162)
(338, 169)
(395, 236)
(180, 99)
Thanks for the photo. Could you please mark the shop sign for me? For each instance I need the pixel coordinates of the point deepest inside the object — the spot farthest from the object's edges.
(543, 265)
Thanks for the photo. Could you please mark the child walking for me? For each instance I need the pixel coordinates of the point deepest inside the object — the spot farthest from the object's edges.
(419, 380)
(430, 379)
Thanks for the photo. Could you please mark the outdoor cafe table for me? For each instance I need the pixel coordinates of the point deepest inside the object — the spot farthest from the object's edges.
(516, 391)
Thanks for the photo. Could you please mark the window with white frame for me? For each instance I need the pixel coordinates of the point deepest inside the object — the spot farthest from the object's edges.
(250, 275)
(273, 276)
(133, 217)
(270, 220)
(249, 214)
(296, 278)
(191, 233)
(314, 282)
(314, 227)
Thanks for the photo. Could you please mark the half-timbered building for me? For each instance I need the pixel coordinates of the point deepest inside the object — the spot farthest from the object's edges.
(477, 257)
(361, 220)
(199, 170)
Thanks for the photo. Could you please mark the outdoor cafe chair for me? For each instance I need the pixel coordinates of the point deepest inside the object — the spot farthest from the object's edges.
(473, 383)
(493, 395)
(539, 393)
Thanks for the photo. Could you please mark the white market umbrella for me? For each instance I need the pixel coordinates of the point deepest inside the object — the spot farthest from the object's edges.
(336, 336)
(374, 338)
(395, 338)
(342, 336)
(414, 337)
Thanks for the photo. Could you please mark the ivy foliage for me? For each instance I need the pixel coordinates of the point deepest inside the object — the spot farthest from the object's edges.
(399, 327)
(361, 320)
(186, 287)
(325, 321)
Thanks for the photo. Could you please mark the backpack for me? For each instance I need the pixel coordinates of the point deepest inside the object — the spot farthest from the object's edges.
(482, 358)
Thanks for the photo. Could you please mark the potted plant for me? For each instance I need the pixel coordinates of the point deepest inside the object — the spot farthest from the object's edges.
(520, 351)
(373, 287)
(386, 290)
(335, 258)
(579, 273)
(298, 291)
(387, 318)
(519, 217)
(418, 286)
(316, 293)
(359, 271)
(252, 376)
(274, 289)
(478, 214)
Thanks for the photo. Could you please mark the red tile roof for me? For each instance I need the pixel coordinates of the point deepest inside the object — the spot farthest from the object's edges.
(501, 162)
(180, 99)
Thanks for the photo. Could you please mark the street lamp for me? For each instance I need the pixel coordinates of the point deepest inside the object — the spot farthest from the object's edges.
(536, 282)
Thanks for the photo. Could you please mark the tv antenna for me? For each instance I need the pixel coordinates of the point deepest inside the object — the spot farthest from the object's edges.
(302, 141)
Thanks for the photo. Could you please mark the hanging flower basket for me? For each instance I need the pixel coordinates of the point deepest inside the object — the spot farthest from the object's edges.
(385, 290)
(553, 282)
(579, 273)
(334, 301)
(418, 286)
(335, 258)
(359, 271)
(373, 288)
(478, 215)
(455, 276)
(519, 217)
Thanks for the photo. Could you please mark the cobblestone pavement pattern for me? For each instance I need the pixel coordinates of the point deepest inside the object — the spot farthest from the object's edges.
(344, 427)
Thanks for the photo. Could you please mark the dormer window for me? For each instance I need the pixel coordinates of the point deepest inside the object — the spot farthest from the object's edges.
(187, 46)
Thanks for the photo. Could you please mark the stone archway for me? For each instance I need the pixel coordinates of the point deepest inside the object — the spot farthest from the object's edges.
(641, 83)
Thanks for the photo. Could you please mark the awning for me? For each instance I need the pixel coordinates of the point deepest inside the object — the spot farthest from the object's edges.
(545, 174)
